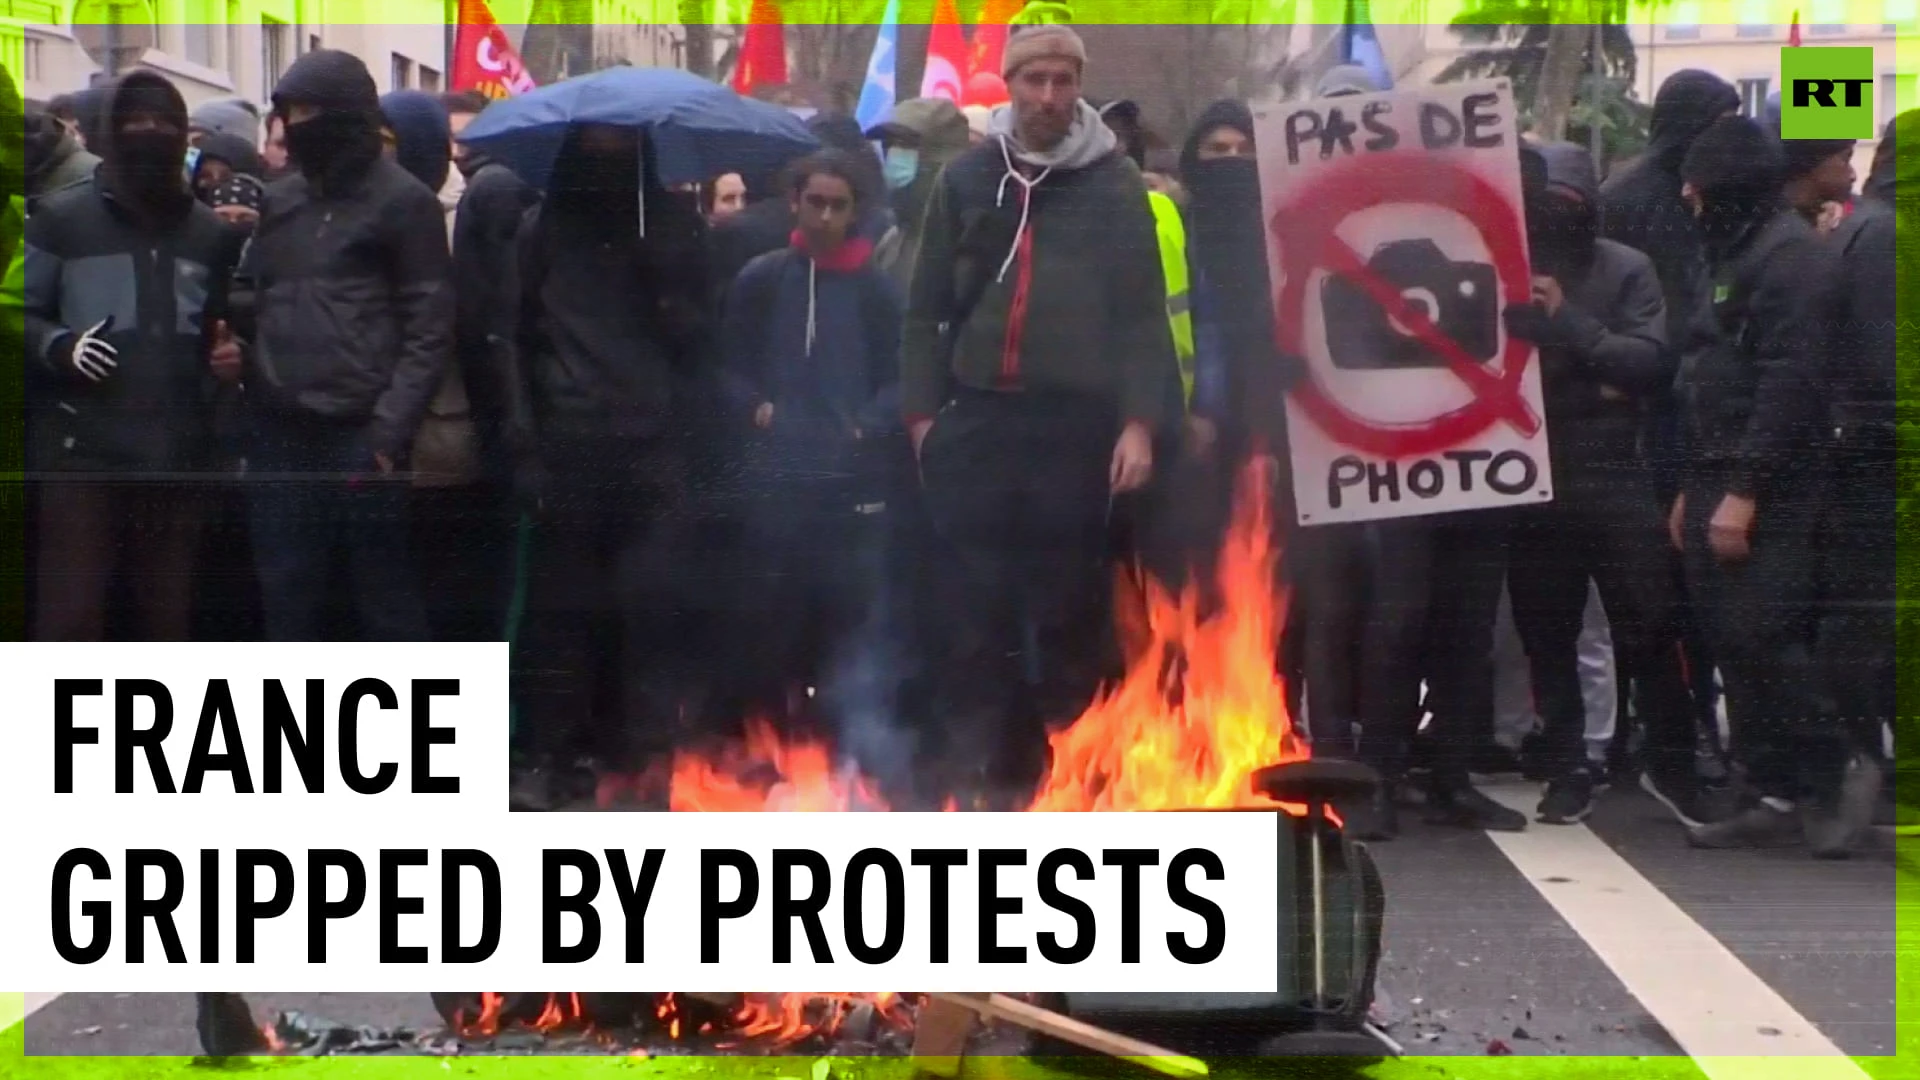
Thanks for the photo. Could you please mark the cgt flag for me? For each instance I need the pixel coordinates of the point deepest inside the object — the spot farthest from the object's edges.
(483, 58)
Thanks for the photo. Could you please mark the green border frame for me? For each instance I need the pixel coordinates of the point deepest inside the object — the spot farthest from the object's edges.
(1903, 1064)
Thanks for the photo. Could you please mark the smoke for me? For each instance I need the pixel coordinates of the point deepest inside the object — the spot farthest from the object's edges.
(860, 687)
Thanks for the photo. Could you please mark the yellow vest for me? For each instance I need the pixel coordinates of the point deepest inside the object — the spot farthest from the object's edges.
(1173, 263)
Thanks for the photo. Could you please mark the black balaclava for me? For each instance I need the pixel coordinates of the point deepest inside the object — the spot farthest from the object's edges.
(1736, 168)
(1562, 207)
(1688, 103)
(1223, 195)
(343, 141)
(600, 181)
(146, 170)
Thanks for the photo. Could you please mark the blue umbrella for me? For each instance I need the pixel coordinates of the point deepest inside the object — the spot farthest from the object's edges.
(696, 129)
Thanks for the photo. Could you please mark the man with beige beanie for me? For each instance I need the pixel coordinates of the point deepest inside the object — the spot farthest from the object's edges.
(1035, 373)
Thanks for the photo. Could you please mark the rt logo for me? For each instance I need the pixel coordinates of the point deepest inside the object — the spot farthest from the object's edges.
(1829, 93)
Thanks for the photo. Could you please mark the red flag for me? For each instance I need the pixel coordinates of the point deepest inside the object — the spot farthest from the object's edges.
(483, 58)
(1793, 35)
(990, 36)
(763, 51)
(946, 56)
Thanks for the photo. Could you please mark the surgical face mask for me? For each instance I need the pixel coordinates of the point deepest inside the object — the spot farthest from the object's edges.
(902, 165)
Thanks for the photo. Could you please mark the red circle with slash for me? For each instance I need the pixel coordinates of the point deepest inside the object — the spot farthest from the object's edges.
(1305, 229)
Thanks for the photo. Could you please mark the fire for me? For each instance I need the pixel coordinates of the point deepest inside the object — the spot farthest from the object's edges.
(764, 772)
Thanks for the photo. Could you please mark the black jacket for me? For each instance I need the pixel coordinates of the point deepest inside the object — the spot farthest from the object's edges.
(1751, 377)
(1860, 327)
(162, 279)
(354, 301)
(1606, 351)
(484, 229)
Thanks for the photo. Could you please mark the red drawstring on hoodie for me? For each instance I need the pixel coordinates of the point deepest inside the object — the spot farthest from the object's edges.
(1017, 307)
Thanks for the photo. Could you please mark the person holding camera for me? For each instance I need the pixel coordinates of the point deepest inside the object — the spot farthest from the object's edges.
(1599, 319)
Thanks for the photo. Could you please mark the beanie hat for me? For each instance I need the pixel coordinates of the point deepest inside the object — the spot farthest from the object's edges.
(1053, 41)
(239, 190)
(1736, 160)
(228, 116)
(1805, 155)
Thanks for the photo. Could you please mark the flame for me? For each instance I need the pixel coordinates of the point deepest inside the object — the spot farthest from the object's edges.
(764, 772)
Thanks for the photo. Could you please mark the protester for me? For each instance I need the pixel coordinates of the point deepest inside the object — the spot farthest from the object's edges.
(462, 106)
(1746, 519)
(726, 196)
(1856, 633)
(120, 399)
(352, 333)
(921, 138)
(54, 158)
(1037, 333)
(607, 361)
(238, 201)
(812, 349)
(1598, 320)
(274, 150)
(1819, 176)
(223, 157)
(232, 117)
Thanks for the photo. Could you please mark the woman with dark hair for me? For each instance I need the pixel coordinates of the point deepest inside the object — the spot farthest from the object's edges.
(811, 346)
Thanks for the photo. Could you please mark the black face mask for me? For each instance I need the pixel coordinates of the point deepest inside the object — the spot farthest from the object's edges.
(605, 173)
(316, 143)
(150, 165)
(1561, 235)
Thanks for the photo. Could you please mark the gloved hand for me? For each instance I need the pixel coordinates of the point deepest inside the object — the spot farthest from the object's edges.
(91, 356)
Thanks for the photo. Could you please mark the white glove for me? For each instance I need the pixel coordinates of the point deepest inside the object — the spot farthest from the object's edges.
(92, 356)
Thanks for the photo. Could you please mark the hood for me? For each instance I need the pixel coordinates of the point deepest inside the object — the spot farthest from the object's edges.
(837, 132)
(90, 116)
(47, 146)
(228, 116)
(1224, 113)
(1687, 104)
(329, 79)
(1088, 140)
(156, 186)
(939, 126)
(1344, 79)
(1736, 167)
(1561, 233)
(237, 152)
(1891, 172)
(423, 136)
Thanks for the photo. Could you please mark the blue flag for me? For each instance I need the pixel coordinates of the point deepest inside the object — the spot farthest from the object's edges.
(876, 97)
(1360, 45)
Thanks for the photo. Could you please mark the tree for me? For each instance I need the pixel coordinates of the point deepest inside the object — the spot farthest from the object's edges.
(1545, 48)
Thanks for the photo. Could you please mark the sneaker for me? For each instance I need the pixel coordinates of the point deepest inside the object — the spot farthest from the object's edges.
(1761, 825)
(1463, 806)
(1834, 833)
(1568, 800)
(1681, 799)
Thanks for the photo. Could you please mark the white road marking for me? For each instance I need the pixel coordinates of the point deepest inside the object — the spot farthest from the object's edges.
(1723, 1015)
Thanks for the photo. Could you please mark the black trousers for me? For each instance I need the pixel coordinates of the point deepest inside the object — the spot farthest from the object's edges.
(600, 664)
(463, 547)
(1855, 635)
(1469, 557)
(1606, 529)
(1760, 617)
(94, 529)
(1018, 487)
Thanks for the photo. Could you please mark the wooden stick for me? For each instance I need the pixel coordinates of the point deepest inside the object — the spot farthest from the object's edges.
(1067, 1029)
(940, 1035)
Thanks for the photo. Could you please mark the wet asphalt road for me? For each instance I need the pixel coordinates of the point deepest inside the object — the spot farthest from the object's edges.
(1474, 953)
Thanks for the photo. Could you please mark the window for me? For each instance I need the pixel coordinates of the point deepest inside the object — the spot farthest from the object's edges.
(31, 62)
(313, 43)
(276, 40)
(429, 79)
(1753, 96)
(1683, 24)
(231, 59)
(198, 36)
(402, 72)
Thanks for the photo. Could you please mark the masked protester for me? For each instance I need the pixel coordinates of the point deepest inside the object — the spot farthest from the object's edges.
(1856, 635)
(54, 158)
(920, 138)
(122, 372)
(353, 332)
(608, 368)
(1753, 388)
(1598, 320)
(221, 158)
(1035, 377)
(812, 349)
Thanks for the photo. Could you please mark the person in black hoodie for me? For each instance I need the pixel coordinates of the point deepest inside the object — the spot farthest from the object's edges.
(352, 329)
(1754, 391)
(123, 349)
(1599, 320)
(1856, 635)
(608, 336)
